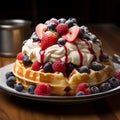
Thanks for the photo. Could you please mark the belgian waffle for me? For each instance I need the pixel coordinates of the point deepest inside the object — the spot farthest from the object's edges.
(59, 83)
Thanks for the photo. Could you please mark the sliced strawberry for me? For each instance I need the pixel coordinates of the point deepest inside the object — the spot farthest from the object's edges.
(40, 30)
(72, 34)
(49, 38)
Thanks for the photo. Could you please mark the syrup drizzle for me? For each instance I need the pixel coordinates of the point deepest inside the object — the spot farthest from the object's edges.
(66, 55)
(90, 49)
(42, 52)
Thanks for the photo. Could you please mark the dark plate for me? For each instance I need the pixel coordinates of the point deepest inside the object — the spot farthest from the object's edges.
(55, 99)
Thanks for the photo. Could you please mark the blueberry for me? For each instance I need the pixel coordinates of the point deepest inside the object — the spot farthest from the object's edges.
(96, 66)
(94, 89)
(30, 89)
(93, 38)
(8, 74)
(51, 26)
(69, 67)
(26, 61)
(18, 87)
(11, 81)
(69, 23)
(84, 29)
(62, 20)
(34, 37)
(74, 20)
(48, 67)
(80, 93)
(61, 41)
(84, 69)
(114, 82)
(105, 86)
(81, 34)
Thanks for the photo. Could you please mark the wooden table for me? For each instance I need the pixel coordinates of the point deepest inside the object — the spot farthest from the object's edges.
(14, 108)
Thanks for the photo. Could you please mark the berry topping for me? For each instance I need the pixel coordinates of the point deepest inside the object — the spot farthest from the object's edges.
(51, 26)
(96, 66)
(72, 34)
(114, 82)
(36, 66)
(53, 20)
(11, 81)
(61, 41)
(18, 87)
(40, 30)
(94, 89)
(62, 20)
(62, 28)
(105, 86)
(34, 37)
(20, 56)
(48, 67)
(84, 87)
(8, 74)
(30, 89)
(42, 89)
(69, 23)
(48, 39)
(80, 93)
(26, 61)
(69, 67)
(84, 69)
(117, 74)
(59, 65)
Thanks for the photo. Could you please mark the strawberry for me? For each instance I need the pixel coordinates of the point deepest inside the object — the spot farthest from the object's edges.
(72, 34)
(20, 56)
(42, 89)
(36, 66)
(40, 30)
(84, 87)
(62, 28)
(48, 39)
(59, 65)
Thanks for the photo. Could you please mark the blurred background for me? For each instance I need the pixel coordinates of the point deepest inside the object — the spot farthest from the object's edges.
(86, 11)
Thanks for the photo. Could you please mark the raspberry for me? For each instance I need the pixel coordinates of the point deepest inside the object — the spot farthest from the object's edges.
(117, 74)
(42, 89)
(20, 56)
(62, 28)
(36, 66)
(84, 87)
(59, 65)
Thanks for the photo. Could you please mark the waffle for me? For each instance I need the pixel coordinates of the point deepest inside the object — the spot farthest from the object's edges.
(59, 83)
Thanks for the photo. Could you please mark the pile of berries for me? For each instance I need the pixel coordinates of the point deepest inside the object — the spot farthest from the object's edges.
(82, 89)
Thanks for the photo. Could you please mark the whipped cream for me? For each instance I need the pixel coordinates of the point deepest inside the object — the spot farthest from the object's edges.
(82, 52)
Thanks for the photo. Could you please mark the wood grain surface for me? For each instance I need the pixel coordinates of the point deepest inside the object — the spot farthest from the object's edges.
(15, 108)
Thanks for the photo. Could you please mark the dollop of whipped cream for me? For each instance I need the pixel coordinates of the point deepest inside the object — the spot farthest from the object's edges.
(82, 52)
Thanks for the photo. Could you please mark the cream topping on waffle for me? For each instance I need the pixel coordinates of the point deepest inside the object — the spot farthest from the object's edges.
(80, 52)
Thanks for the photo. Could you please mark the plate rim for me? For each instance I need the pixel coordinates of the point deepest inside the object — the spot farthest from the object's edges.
(62, 99)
